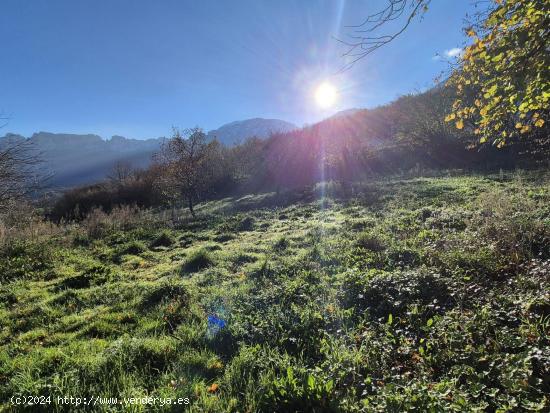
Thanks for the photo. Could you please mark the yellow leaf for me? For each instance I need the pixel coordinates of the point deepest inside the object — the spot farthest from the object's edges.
(519, 125)
(213, 388)
(459, 124)
(539, 123)
(450, 117)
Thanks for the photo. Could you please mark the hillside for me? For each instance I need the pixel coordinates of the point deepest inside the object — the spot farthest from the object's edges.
(425, 294)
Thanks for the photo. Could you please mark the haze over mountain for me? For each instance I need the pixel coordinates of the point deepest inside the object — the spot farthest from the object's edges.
(75, 159)
(72, 159)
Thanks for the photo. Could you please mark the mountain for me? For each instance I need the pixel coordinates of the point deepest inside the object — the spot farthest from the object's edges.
(236, 132)
(71, 159)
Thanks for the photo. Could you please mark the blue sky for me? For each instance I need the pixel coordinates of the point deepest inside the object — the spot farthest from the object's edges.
(136, 68)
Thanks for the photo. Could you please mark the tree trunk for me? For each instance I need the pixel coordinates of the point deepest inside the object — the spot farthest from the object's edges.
(190, 200)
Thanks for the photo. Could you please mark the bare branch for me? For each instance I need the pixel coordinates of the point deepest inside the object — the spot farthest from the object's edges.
(361, 43)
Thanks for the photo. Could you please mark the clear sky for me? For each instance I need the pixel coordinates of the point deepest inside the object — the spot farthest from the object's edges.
(136, 68)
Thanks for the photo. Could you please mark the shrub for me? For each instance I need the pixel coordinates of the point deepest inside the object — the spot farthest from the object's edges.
(197, 261)
(164, 292)
(281, 244)
(77, 203)
(132, 248)
(261, 270)
(514, 224)
(81, 240)
(297, 391)
(224, 237)
(403, 257)
(165, 239)
(370, 242)
(98, 223)
(186, 239)
(246, 224)
(23, 259)
(382, 294)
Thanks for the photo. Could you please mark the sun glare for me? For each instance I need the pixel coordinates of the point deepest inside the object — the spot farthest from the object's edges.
(326, 95)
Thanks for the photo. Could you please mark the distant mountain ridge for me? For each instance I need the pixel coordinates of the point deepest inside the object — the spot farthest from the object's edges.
(236, 132)
(73, 159)
(78, 159)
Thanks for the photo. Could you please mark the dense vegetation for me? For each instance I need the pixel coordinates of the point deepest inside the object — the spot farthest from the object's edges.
(503, 82)
(396, 294)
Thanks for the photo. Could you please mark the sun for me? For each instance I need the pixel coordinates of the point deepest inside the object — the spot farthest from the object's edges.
(326, 95)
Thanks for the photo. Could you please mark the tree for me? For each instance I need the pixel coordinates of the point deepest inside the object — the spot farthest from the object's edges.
(188, 164)
(503, 82)
(122, 171)
(17, 172)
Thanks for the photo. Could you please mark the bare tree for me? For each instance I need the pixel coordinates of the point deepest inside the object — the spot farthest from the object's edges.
(188, 164)
(364, 39)
(122, 171)
(18, 176)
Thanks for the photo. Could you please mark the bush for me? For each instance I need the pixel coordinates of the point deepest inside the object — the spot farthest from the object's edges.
(77, 203)
(281, 244)
(23, 259)
(402, 257)
(224, 237)
(514, 223)
(370, 242)
(165, 239)
(297, 391)
(98, 223)
(246, 224)
(132, 248)
(197, 261)
(164, 292)
(381, 294)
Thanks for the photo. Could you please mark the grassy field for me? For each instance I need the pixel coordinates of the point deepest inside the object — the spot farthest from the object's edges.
(423, 294)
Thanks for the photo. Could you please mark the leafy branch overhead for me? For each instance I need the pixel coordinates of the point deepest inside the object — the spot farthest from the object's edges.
(503, 82)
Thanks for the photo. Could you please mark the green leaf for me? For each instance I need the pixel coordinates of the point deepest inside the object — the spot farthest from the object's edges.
(290, 373)
(310, 382)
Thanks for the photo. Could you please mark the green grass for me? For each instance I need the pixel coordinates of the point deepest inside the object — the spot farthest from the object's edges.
(425, 294)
